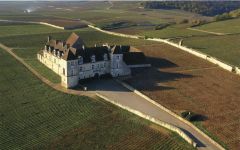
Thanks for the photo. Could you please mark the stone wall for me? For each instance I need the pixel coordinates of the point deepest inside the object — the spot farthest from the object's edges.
(169, 111)
(113, 33)
(184, 48)
(156, 121)
(199, 54)
(51, 25)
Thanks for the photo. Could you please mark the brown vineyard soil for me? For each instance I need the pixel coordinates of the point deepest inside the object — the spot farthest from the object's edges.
(181, 81)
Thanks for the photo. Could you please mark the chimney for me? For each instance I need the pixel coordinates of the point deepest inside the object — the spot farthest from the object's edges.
(49, 38)
(95, 45)
(68, 45)
(83, 47)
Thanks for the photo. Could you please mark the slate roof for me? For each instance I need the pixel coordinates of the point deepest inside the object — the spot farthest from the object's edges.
(68, 55)
(120, 49)
(134, 58)
(74, 47)
(75, 41)
(98, 52)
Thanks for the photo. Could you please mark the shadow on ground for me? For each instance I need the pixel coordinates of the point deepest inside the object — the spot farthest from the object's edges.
(160, 62)
(149, 79)
(199, 144)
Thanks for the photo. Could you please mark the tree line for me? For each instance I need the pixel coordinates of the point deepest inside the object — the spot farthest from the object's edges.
(207, 8)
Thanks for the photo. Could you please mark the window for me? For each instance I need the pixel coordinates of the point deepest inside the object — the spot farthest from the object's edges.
(80, 69)
(92, 66)
(105, 57)
(63, 71)
(93, 58)
(72, 72)
(80, 60)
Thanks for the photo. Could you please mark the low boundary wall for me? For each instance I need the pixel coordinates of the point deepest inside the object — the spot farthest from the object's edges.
(169, 111)
(114, 33)
(211, 59)
(51, 25)
(158, 122)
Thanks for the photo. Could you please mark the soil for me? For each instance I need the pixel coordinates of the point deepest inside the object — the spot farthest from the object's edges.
(181, 81)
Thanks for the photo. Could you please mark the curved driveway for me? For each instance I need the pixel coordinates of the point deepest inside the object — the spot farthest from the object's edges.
(116, 92)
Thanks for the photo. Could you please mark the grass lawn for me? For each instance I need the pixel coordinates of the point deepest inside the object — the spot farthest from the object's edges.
(36, 116)
(226, 48)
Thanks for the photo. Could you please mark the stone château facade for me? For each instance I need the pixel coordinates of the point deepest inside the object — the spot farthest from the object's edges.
(73, 61)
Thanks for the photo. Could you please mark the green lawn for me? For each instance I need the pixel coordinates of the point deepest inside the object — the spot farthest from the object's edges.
(226, 48)
(34, 116)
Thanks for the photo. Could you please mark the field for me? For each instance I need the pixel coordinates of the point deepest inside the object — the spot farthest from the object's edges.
(177, 80)
(36, 116)
(22, 29)
(182, 82)
(228, 26)
(171, 32)
(99, 13)
(225, 48)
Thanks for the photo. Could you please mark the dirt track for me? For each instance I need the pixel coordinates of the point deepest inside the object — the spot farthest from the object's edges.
(181, 82)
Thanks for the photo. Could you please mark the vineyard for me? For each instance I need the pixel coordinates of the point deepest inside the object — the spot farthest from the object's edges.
(36, 116)
(183, 82)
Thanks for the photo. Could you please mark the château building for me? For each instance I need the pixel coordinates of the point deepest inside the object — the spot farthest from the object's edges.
(73, 61)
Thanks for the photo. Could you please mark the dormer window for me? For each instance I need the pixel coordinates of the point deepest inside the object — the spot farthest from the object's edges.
(45, 48)
(80, 60)
(105, 58)
(93, 59)
(54, 52)
(58, 54)
(49, 49)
